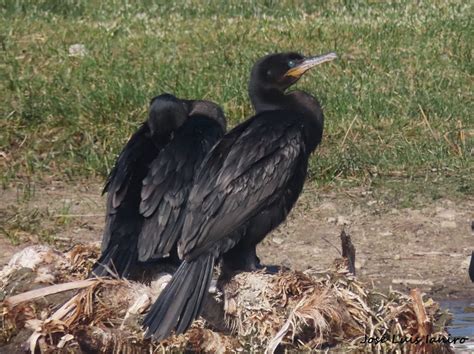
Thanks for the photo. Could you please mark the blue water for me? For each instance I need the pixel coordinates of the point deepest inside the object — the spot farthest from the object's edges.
(462, 324)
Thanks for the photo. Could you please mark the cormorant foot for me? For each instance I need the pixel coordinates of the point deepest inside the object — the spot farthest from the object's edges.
(271, 269)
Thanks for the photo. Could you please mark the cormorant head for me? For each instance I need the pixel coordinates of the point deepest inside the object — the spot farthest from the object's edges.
(280, 71)
(167, 113)
(208, 109)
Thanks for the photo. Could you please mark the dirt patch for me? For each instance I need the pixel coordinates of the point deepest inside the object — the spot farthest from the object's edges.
(426, 247)
(53, 213)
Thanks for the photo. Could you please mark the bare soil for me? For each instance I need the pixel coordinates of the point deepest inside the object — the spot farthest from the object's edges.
(427, 246)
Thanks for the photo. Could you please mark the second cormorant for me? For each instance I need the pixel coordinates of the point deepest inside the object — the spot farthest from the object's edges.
(149, 185)
(471, 267)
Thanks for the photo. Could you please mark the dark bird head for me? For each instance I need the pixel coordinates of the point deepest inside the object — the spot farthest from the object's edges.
(167, 113)
(208, 109)
(274, 73)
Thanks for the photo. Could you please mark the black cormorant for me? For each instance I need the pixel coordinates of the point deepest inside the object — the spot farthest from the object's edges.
(471, 267)
(150, 182)
(245, 188)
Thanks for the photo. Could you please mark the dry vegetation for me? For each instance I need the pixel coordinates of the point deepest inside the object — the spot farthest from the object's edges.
(287, 310)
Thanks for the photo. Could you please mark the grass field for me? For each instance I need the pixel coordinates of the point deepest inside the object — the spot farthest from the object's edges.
(398, 102)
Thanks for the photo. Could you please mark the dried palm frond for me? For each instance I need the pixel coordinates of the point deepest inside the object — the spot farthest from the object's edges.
(262, 312)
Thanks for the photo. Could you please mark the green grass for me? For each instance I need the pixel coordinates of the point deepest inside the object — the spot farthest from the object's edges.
(21, 224)
(398, 102)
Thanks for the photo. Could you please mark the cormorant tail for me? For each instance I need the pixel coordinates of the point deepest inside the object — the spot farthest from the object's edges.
(114, 261)
(181, 301)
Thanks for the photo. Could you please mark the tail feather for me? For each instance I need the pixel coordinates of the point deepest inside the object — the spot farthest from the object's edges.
(207, 280)
(181, 301)
(169, 315)
(192, 303)
(114, 261)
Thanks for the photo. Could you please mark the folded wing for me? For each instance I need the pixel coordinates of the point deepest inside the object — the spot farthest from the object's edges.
(166, 187)
(238, 179)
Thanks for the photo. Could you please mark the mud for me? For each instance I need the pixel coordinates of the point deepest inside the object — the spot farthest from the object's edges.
(427, 245)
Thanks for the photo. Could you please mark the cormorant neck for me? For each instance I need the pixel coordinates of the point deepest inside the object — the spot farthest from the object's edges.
(313, 116)
(298, 101)
(267, 99)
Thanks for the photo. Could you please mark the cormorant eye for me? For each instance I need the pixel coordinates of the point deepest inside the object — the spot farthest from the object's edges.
(291, 63)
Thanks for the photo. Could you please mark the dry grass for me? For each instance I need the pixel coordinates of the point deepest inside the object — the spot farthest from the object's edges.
(289, 310)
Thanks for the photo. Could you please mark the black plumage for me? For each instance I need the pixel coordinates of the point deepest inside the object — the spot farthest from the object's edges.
(471, 268)
(150, 182)
(166, 187)
(245, 188)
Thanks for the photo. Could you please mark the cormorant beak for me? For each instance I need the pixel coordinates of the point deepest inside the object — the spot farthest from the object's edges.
(308, 63)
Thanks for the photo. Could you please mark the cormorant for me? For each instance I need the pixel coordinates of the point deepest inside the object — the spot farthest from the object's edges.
(471, 267)
(244, 189)
(150, 182)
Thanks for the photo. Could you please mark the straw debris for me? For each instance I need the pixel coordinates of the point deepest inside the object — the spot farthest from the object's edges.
(257, 311)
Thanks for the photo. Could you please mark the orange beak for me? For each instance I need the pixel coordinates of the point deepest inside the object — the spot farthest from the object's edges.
(309, 63)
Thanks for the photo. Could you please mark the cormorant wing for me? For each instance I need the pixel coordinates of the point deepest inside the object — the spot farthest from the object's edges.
(239, 177)
(166, 187)
(117, 181)
(121, 175)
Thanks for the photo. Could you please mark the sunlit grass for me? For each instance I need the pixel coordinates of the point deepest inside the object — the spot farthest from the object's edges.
(398, 102)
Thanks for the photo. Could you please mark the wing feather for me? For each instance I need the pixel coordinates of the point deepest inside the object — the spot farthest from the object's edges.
(166, 187)
(250, 165)
(126, 173)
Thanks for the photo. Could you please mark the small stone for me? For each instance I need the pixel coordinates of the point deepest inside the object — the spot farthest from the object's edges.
(357, 211)
(414, 282)
(278, 240)
(447, 224)
(213, 287)
(342, 220)
(77, 50)
(447, 214)
(397, 257)
(371, 202)
(141, 304)
(327, 206)
(44, 278)
(160, 283)
(360, 263)
(386, 233)
(331, 220)
(465, 263)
